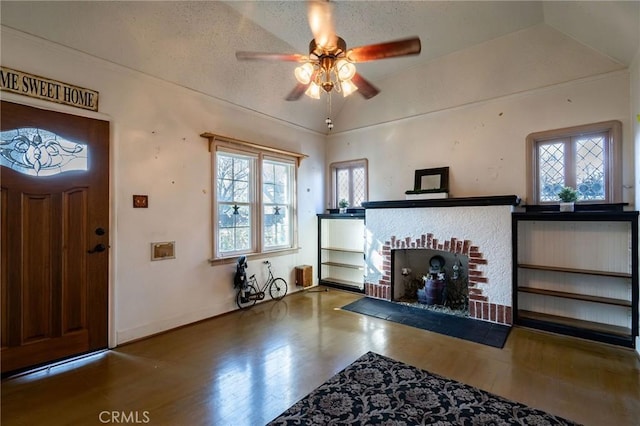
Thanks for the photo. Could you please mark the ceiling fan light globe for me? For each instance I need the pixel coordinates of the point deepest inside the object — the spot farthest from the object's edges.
(345, 69)
(303, 73)
(348, 87)
(313, 91)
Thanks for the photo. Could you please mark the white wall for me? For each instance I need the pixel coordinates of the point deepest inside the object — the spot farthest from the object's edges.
(481, 137)
(157, 150)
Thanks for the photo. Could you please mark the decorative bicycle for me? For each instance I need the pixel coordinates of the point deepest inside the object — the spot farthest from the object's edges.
(248, 294)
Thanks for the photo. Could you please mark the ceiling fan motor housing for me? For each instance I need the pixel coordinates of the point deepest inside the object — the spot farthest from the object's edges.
(334, 51)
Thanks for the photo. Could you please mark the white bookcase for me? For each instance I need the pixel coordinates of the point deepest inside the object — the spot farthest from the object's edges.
(341, 250)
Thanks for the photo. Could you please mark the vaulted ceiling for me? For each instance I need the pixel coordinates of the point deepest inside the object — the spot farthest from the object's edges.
(193, 44)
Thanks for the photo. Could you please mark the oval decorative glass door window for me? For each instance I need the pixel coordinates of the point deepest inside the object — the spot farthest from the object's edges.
(39, 152)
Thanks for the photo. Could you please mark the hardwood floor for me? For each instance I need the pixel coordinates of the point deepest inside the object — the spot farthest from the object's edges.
(245, 368)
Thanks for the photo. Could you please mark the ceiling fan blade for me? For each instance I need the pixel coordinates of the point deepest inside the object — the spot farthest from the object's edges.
(391, 49)
(366, 89)
(297, 92)
(321, 24)
(266, 56)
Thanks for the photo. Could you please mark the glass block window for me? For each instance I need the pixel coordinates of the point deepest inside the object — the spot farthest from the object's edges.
(39, 152)
(254, 201)
(586, 158)
(349, 182)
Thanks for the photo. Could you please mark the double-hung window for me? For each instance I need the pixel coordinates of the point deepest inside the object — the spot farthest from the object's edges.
(586, 158)
(254, 201)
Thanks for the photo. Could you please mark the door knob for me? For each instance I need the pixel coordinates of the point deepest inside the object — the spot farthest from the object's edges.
(97, 249)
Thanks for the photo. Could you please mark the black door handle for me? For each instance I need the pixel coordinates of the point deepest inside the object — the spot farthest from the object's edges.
(97, 249)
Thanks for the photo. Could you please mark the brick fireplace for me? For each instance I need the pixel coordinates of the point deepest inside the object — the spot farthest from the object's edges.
(478, 227)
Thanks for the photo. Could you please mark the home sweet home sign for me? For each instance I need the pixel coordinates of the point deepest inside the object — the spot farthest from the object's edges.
(51, 90)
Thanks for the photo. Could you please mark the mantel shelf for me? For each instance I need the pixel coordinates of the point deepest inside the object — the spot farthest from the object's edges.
(497, 200)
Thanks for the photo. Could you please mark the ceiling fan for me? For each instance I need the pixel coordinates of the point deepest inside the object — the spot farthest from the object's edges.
(329, 64)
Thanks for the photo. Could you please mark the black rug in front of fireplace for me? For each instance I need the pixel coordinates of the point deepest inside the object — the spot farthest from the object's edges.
(474, 330)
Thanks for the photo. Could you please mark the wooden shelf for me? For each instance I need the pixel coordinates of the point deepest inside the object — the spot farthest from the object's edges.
(344, 265)
(574, 270)
(346, 250)
(572, 322)
(343, 282)
(576, 296)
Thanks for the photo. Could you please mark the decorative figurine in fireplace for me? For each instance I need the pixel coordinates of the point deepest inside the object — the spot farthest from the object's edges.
(434, 283)
(457, 292)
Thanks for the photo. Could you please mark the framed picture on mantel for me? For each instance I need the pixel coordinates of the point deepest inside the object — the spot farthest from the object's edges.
(431, 181)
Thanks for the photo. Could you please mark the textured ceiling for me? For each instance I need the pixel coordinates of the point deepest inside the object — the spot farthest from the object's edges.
(193, 44)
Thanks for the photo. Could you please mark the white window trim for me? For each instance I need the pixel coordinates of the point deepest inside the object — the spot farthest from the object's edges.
(613, 155)
(218, 143)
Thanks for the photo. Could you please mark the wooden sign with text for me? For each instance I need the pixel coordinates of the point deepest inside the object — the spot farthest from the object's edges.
(43, 88)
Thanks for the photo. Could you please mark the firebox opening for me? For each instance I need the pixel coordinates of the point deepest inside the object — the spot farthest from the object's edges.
(431, 279)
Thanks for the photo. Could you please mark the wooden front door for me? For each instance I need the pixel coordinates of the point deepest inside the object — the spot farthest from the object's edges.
(54, 209)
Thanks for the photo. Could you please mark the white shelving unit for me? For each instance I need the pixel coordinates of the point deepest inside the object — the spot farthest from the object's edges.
(341, 250)
(577, 274)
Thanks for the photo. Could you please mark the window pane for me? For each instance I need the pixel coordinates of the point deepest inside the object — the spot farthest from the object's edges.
(359, 186)
(234, 226)
(225, 190)
(342, 184)
(241, 169)
(276, 178)
(551, 171)
(234, 197)
(277, 186)
(241, 192)
(225, 166)
(234, 174)
(38, 152)
(590, 168)
(276, 226)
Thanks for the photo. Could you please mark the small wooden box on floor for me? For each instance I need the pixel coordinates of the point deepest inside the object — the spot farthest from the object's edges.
(304, 274)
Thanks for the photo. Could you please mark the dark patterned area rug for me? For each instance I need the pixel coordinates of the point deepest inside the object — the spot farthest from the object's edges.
(486, 333)
(379, 390)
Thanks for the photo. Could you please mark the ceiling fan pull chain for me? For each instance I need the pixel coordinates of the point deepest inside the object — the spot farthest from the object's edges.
(328, 121)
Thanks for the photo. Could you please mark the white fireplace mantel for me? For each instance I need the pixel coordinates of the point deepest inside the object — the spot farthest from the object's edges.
(479, 226)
